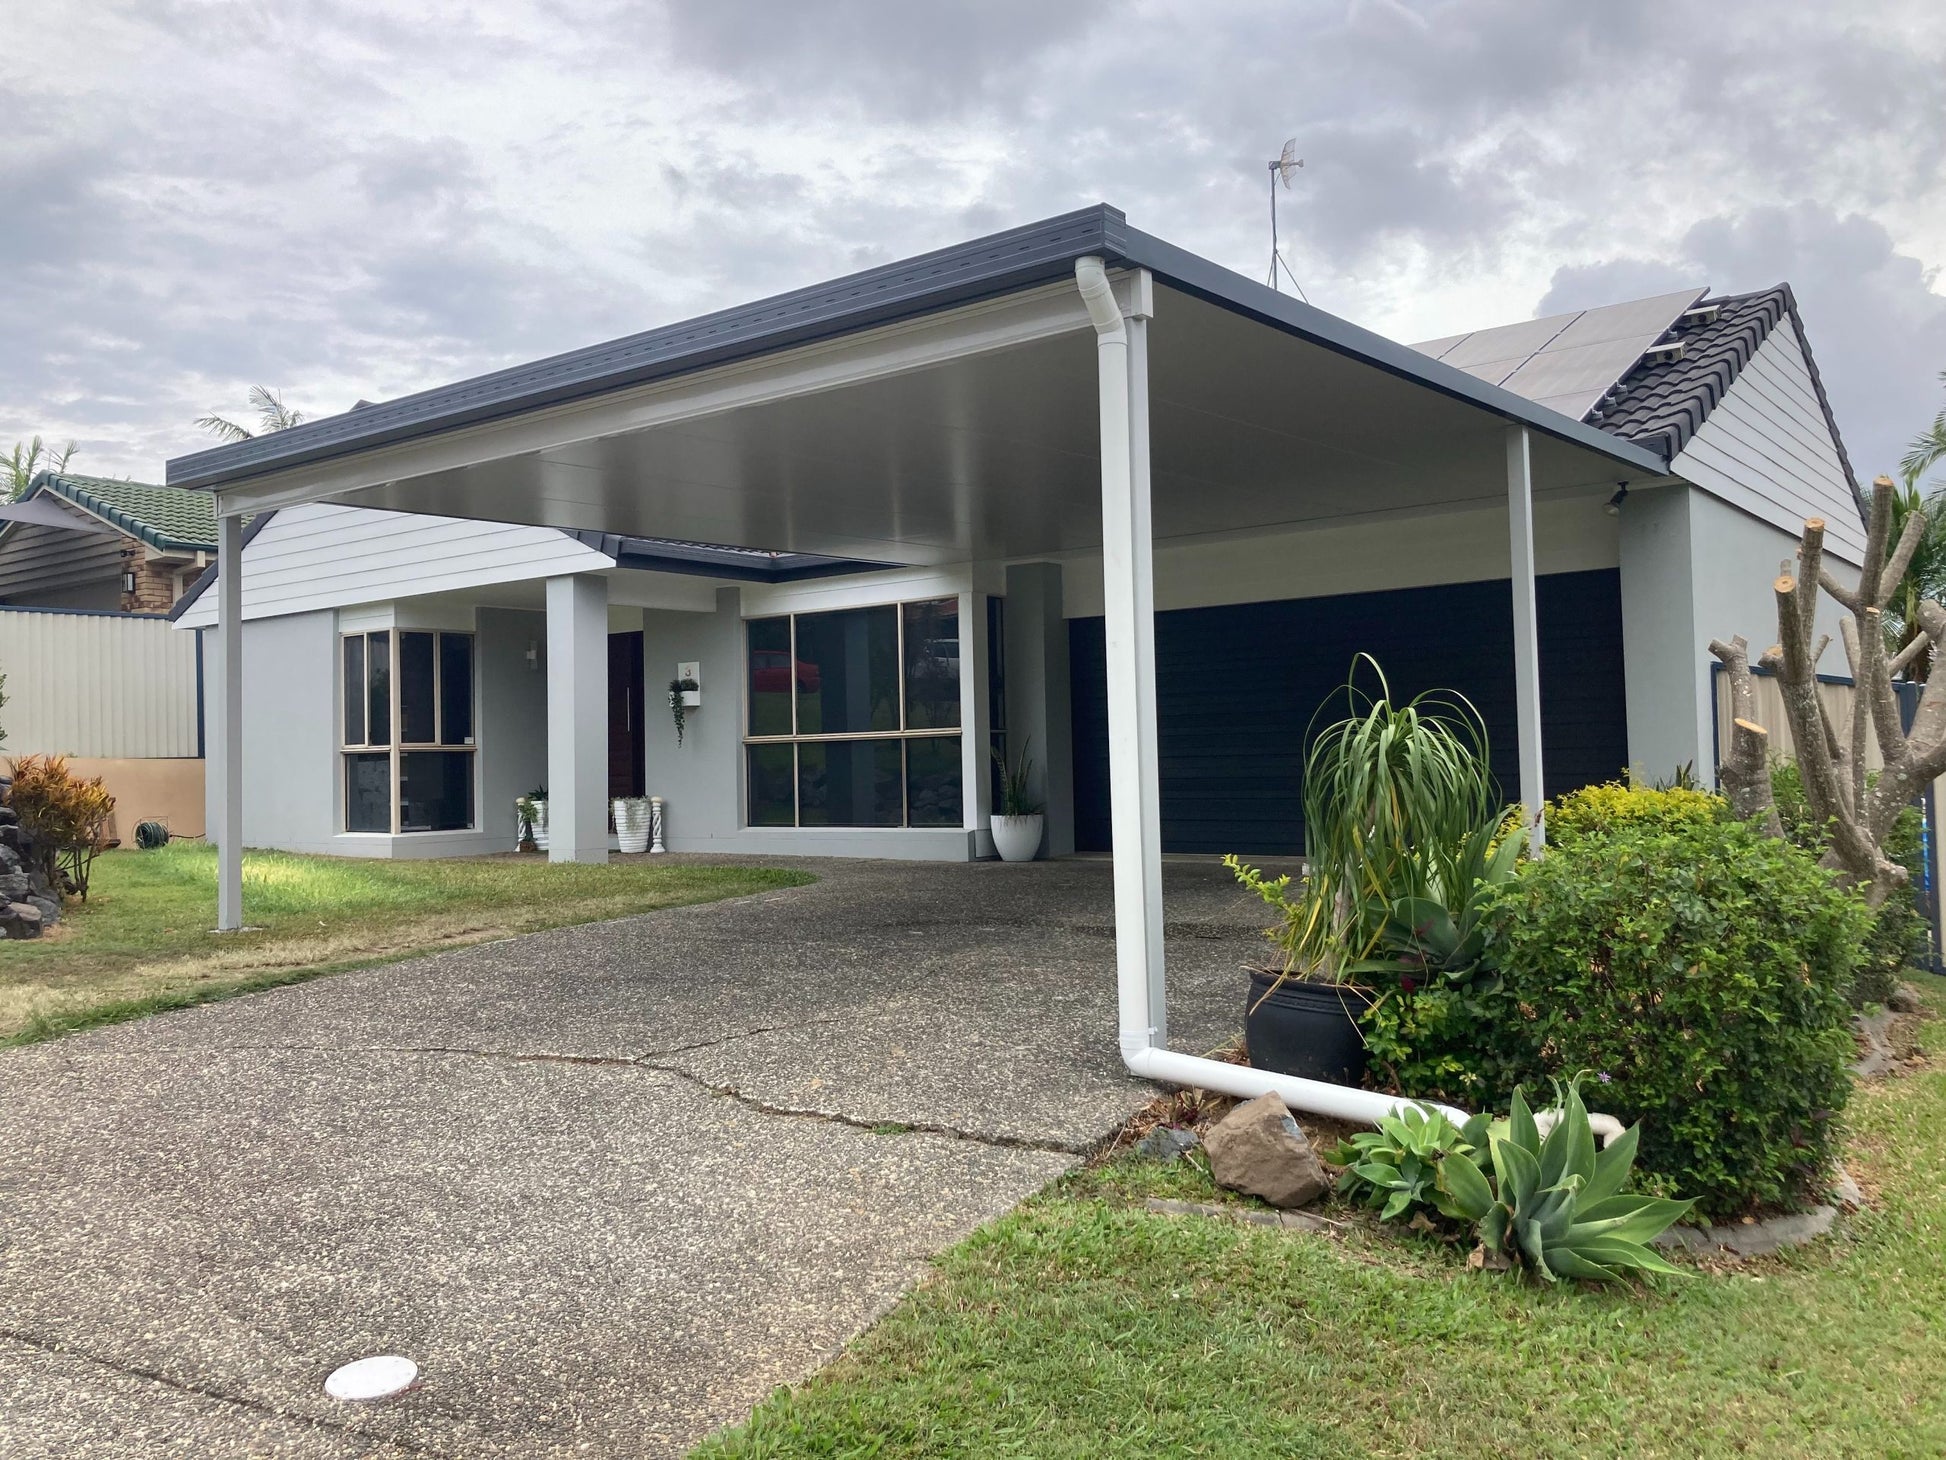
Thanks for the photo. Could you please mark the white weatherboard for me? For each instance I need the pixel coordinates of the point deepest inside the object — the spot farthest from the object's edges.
(1566, 362)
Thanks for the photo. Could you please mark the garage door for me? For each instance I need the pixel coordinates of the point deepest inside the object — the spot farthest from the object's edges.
(1236, 688)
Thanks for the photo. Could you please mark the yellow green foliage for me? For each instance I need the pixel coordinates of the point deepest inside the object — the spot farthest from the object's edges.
(1614, 806)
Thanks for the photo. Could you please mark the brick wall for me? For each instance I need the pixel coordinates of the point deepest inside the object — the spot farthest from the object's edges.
(155, 582)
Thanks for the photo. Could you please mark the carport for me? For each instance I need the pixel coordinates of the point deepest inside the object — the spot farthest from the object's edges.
(1073, 385)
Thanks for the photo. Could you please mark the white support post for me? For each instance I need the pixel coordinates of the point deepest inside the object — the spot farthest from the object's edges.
(229, 646)
(976, 724)
(1527, 651)
(577, 719)
(1134, 794)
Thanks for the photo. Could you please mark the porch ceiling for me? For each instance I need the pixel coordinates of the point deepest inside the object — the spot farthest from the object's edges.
(972, 434)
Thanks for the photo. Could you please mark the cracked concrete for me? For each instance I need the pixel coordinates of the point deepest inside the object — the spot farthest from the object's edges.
(607, 1185)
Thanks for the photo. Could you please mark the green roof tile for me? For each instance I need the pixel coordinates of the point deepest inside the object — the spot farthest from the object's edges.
(167, 518)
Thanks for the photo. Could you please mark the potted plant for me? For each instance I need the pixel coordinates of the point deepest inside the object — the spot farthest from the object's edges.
(1018, 824)
(530, 820)
(631, 822)
(684, 694)
(1399, 807)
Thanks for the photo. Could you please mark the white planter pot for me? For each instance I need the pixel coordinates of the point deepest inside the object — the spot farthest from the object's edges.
(1017, 838)
(631, 822)
(540, 825)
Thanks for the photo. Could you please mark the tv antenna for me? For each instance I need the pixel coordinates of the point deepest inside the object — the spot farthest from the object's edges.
(1281, 169)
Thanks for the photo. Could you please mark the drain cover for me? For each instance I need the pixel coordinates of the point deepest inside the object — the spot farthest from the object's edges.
(379, 1377)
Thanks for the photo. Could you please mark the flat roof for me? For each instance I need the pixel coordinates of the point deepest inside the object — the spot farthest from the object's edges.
(1002, 263)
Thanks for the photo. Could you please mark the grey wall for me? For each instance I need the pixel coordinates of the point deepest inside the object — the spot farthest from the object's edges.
(290, 733)
(512, 721)
(1694, 568)
(1038, 694)
(700, 781)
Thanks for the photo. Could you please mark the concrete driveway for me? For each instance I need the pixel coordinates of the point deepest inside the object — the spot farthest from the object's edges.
(607, 1185)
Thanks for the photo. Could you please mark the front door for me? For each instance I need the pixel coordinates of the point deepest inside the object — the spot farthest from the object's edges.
(625, 707)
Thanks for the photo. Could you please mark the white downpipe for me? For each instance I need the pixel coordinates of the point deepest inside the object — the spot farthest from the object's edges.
(1127, 568)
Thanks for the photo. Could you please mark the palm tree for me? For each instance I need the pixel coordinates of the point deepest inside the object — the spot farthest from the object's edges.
(272, 415)
(1926, 578)
(29, 460)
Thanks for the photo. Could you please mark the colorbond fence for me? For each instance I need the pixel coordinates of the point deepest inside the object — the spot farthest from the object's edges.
(99, 685)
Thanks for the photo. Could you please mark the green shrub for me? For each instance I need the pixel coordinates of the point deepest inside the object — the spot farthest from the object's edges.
(1700, 968)
(1595, 809)
(1898, 933)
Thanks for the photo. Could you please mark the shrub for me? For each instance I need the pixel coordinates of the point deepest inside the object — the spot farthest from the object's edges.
(1898, 932)
(63, 815)
(1701, 967)
(1595, 809)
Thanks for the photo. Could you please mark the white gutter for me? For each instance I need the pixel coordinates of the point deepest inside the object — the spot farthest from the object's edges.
(1122, 417)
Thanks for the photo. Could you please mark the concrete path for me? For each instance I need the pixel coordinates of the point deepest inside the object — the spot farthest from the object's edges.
(607, 1185)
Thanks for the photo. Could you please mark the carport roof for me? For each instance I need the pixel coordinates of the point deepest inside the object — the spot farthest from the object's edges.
(1035, 254)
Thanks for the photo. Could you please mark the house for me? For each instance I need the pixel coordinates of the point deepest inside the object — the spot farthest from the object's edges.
(89, 567)
(95, 543)
(1067, 490)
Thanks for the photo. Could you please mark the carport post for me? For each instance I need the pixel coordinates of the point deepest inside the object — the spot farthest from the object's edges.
(577, 718)
(1527, 650)
(1128, 598)
(229, 641)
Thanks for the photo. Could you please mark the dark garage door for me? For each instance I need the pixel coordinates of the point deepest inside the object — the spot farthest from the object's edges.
(1237, 686)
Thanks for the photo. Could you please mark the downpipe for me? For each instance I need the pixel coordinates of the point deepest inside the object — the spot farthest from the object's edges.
(1140, 1052)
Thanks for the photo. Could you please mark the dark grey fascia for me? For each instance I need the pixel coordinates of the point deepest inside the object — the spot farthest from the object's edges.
(1020, 258)
(999, 264)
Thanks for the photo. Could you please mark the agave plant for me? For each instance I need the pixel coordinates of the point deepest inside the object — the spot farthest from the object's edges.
(1396, 1167)
(1555, 1207)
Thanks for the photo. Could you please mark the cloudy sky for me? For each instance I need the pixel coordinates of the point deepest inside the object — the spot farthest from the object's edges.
(342, 199)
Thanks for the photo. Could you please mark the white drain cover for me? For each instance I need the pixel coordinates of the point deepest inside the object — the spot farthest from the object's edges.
(379, 1377)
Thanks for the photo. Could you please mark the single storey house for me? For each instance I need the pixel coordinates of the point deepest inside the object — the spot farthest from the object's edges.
(1068, 491)
(103, 545)
(862, 658)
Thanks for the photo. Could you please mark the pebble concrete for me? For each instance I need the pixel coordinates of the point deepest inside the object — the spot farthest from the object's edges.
(608, 1186)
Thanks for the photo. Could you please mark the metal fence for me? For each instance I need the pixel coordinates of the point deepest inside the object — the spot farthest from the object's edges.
(99, 685)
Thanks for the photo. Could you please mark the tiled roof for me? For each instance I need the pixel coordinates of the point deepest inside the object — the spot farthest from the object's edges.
(166, 518)
(1661, 403)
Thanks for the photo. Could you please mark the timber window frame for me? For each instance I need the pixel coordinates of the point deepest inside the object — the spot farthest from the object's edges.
(907, 702)
(408, 747)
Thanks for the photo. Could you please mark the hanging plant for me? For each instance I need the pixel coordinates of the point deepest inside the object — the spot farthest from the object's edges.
(677, 688)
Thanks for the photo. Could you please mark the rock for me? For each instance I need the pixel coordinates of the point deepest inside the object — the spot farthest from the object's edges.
(48, 908)
(1904, 1000)
(9, 860)
(14, 887)
(1257, 1148)
(1167, 1143)
(1292, 1221)
(1845, 1191)
(1759, 1238)
(19, 920)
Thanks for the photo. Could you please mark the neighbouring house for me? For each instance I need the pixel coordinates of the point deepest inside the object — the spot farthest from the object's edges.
(89, 569)
(877, 521)
(96, 543)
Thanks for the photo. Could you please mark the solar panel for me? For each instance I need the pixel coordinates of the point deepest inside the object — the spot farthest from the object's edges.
(1566, 362)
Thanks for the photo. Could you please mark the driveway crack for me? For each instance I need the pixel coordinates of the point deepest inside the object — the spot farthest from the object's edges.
(211, 1392)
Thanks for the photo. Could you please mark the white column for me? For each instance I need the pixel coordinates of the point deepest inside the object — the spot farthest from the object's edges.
(976, 723)
(229, 746)
(577, 719)
(1129, 631)
(1527, 649)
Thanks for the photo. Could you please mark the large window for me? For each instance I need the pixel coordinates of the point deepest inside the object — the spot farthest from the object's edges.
(855, 717)
(419, 684)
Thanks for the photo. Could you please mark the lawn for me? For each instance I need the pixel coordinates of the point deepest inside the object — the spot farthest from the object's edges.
(1082, 1325)
(142, 942)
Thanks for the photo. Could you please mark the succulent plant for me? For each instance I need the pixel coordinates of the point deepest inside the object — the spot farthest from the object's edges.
(1555, 1206)
(1395, 1168)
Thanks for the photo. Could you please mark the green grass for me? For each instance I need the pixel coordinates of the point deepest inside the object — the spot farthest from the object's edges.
(1081, 1325)
(142, 942)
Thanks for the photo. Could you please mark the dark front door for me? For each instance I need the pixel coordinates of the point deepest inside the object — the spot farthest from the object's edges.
(625, 707)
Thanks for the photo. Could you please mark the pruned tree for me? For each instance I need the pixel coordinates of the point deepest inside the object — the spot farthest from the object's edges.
(1860, 810)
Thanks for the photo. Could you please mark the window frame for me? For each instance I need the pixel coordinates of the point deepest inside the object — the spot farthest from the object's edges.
(397, 747)
(903, 734)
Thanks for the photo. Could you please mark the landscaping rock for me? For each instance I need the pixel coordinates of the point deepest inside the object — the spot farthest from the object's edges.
(49, 908)
(1904, 999)
(1753, 1239)
(1292, 1221)
(19, 920)
(1878, 1058)
(1257, 1148)
(14, 887)
(1167, 1143)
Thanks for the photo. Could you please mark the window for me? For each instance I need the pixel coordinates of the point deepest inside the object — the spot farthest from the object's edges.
(855, 717)
(424, 781)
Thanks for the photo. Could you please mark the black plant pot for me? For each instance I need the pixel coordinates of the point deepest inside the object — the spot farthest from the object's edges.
(1307, 1029)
